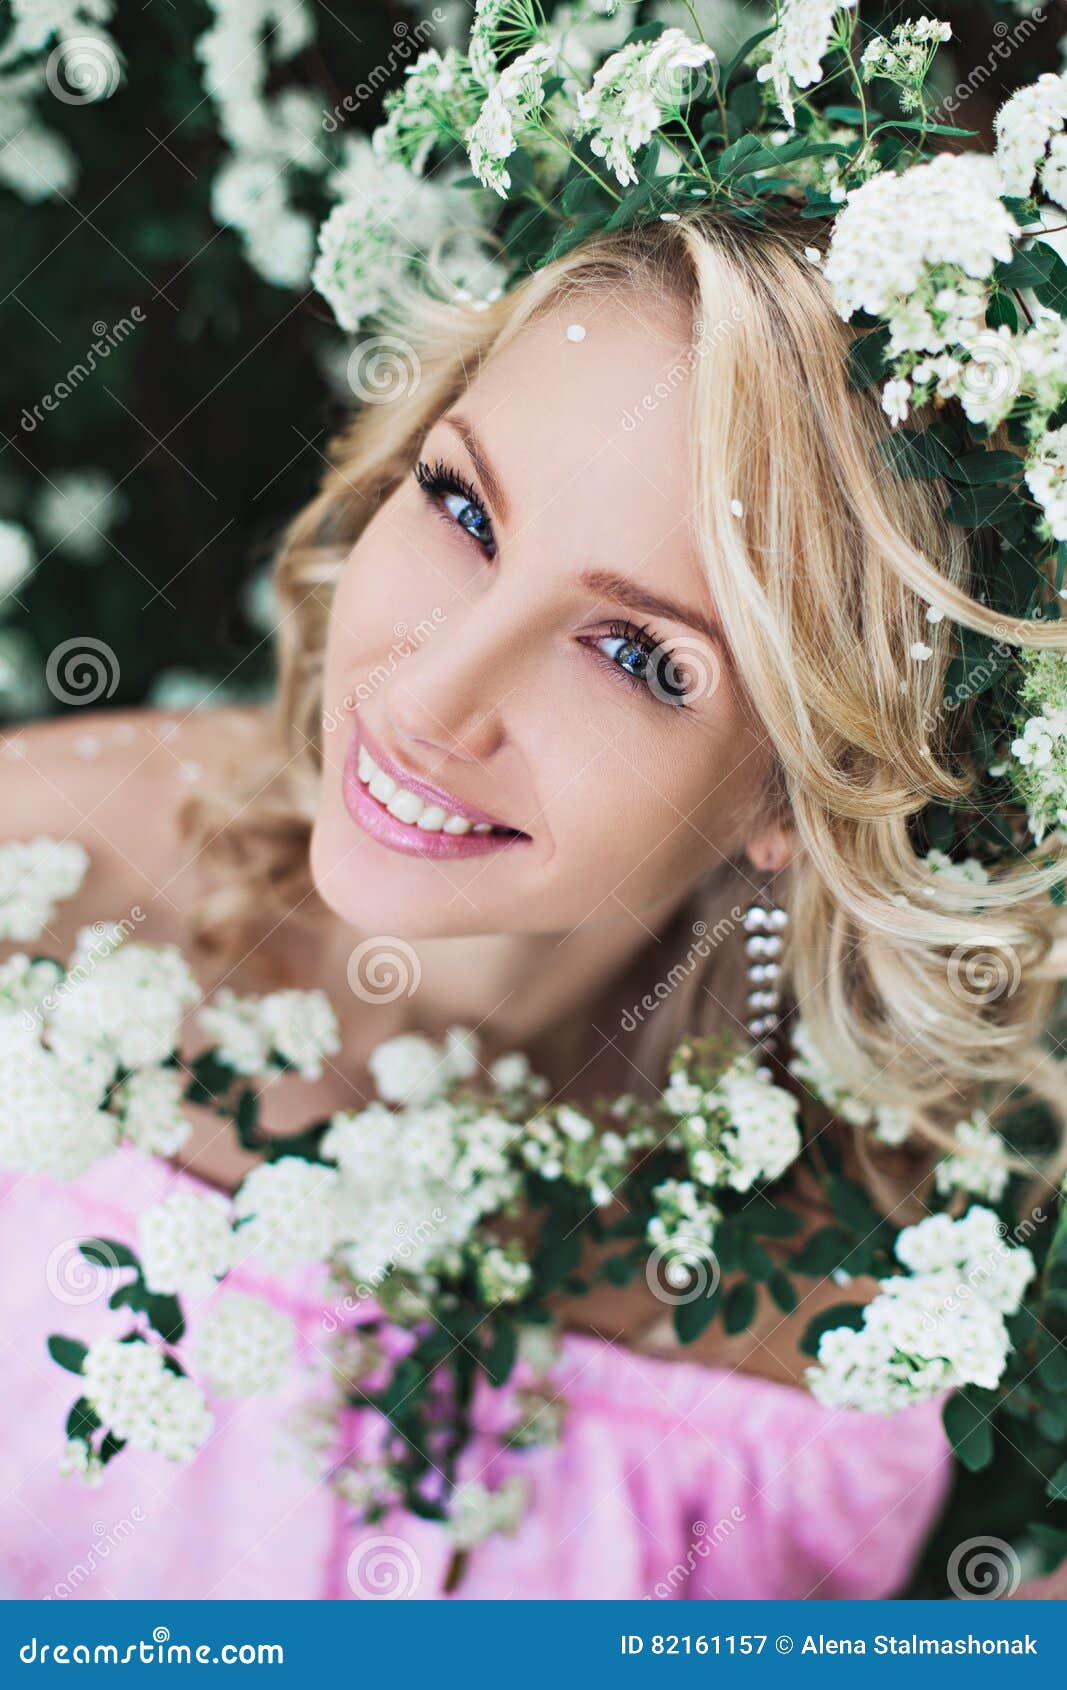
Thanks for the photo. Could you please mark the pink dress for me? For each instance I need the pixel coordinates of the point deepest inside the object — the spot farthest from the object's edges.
(670, 1480)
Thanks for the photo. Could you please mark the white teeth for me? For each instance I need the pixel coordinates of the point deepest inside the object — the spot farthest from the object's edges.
(408, 806)
(405, 806)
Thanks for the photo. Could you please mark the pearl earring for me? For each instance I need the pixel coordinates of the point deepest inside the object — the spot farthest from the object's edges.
(764, 927)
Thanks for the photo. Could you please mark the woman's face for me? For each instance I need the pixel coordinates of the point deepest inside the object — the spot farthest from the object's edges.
(529, 717)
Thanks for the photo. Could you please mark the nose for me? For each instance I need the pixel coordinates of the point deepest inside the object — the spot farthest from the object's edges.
(447, 698)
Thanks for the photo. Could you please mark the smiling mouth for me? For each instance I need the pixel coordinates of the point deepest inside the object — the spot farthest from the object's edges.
(417, 819)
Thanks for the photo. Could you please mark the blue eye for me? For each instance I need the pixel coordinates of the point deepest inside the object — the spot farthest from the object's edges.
(449, 493)
(645, 661)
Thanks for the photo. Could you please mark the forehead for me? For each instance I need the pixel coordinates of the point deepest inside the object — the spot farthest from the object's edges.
(590, 435)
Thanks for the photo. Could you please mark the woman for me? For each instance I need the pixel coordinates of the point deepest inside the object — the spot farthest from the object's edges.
(597, 633)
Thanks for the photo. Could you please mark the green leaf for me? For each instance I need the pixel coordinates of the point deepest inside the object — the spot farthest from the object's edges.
(693, 1318)
(620, 1270)
(866, 358)
(842, 1314)
(104, 1252)
(741, 55)
(1052, 291)
(83, 1420)
(783, 1291)
(757, 1262)
(970, 1431)
(211, 1077)
(822, 1253)
(1056, 1488)
(67, 1352)
(977, 469)
(916, 454)
(165, 1315)
(770, 1220)
(979, 507)
(498, 1358)
(110, 1447)
(739, 1307)
(1001, 310)
(246, 1120)
(1027, 268)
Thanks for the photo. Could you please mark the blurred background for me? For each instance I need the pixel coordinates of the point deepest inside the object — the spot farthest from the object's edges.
(170, 381)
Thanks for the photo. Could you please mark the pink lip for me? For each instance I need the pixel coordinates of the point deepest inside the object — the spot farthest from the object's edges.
(413, 841)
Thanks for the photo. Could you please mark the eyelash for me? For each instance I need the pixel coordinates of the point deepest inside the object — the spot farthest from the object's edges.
(437, 479)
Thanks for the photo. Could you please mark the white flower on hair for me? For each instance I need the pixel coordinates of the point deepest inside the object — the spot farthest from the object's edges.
(1040, 752)
(122, 1003)
(149, 1107)
(35, 875)
(944, 215)
(798, 47)
(895, 397)
(287, 1212)
(26, 983)
(978, 1163)
(76, 511)
(513, 100)
(1054, 171)
(890, 1124)
(243, 1346)
(936, 1328)
(143, 1402)
(17, 558)
(969, 871)
(1046, 477)
(186, 1243)
(424, 109)
(1025, 124)
(686, 1218)
(633, 92)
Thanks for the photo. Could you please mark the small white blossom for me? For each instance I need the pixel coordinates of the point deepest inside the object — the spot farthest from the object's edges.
(1046, 477)
(978, 1164)
(77, 510)
(633, 92)
(513, 101)
(186, 1243)
(477, 1513)
(122, 1003)
(890, 1124)
(798, 47)
(143, 1402)
(48, 1123)
(17, 558)
(1025, 124)
(35, 875)
(287, 1210)
(149, 1107)
(243, 1346)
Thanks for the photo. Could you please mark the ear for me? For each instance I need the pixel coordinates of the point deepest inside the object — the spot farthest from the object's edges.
(773, 849)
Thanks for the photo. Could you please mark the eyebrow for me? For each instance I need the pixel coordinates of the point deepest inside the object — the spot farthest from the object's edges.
(604, 582)
(624, 591)
(494, 487)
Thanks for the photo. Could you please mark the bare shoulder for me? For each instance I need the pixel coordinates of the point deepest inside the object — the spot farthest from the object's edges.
(117, 784)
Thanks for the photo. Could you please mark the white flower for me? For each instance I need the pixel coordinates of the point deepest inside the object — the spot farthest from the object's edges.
(242, 1346)
(26, 983)
(80, 1461)
(895, 397)
(1046, 477)
(16, 558)
(287, 1210)
(48, 1124)
(969, 871)
(1039, 772)
(503, 1275)
(683, 1225)
(122, 1004)
(944, 215)
(513, 100)
(143, 1402)
(1054, 171)
(890, 1123)
(798, 47)
(1025, 124)
(149, 1107)
(414, 1069)
(186, 1243)
(978, 1163)
(301, 1028)
(34, 876)
(236, 1030)
(423, 109)
(936, 1328)
(633, 92)
(477, 1513)
(77, 509)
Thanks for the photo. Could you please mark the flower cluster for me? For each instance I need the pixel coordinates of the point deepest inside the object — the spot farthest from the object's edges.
(736, 1128)
(634, 92)
(934, 1328)
(35, 875)
(1026, 124)
(806, 30)
(140, 1399)
(889, 1124)
(258, 1035)
(243, 1347)
(905, 57)
(1039, 768)
(978, 1163)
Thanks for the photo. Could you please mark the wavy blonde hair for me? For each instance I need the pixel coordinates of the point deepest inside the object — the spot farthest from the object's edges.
(822, 587)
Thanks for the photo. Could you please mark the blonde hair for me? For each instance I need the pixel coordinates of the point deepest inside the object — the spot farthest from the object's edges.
(821, 584)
